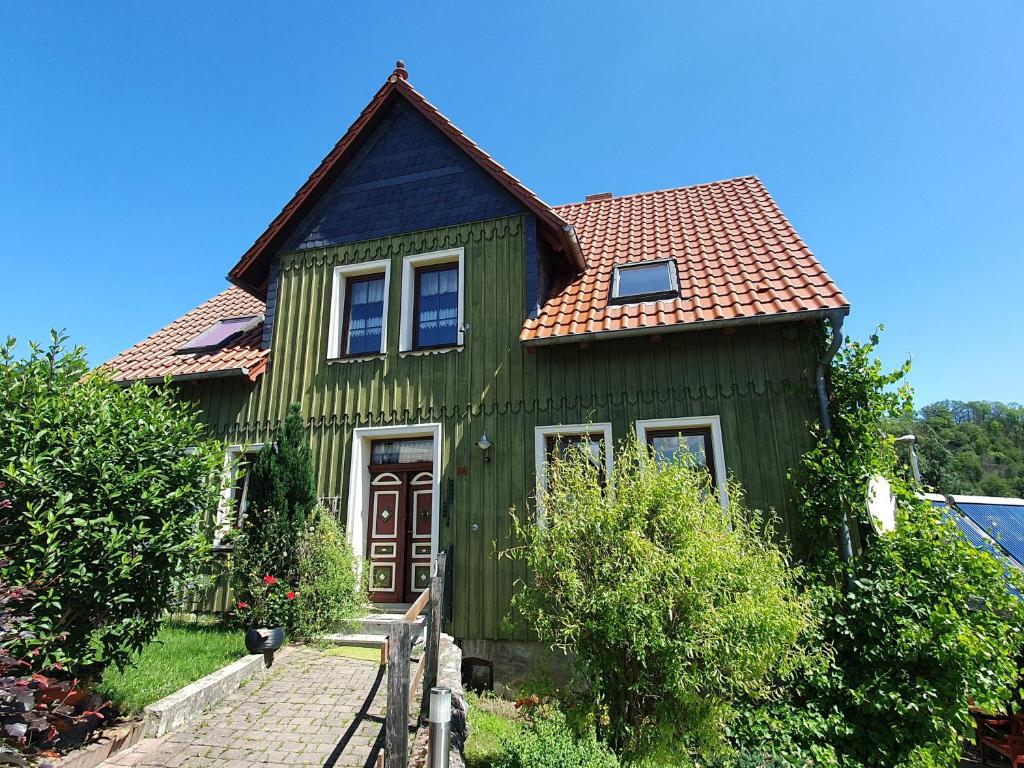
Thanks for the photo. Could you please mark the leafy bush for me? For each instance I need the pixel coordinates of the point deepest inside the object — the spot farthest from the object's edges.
(37, 712)
(674, 608)
(327, 594)
(929, 621)
(281, 493)
(107, 491)
(547, 741)
(919, 621)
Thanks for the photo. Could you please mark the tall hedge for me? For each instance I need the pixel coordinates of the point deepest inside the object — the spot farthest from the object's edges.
(106, 491)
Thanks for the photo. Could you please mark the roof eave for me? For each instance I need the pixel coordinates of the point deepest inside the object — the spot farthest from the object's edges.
(197, 376)
(656, 330)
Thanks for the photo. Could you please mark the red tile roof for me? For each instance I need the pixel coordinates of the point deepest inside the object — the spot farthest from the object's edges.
(250, 272)
(739, 260)
(157, 356)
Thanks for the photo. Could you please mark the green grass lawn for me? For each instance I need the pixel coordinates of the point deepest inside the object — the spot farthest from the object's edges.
(180, 654)
(490, 721)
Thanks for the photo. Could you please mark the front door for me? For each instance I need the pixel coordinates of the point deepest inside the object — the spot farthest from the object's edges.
(399, 526)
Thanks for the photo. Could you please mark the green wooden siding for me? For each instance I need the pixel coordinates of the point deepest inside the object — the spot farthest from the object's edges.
(758, 379)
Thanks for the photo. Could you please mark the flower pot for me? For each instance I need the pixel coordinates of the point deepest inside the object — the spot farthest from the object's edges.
(262, 640)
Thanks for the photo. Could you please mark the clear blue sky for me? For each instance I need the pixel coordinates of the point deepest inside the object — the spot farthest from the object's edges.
(144, 146)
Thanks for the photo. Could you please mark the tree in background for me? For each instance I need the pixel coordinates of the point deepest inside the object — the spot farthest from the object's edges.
(281, 495)
(969, 448)
(105, 490)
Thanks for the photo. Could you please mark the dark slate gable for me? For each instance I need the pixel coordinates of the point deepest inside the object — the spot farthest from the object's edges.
(407, 177)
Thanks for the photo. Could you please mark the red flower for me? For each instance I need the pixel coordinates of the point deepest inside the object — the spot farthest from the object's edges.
(290, 595)
(268, 579)
(242, 606)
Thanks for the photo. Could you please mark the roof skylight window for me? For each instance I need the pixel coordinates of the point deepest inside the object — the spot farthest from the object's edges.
(646, 281)
(220, 334)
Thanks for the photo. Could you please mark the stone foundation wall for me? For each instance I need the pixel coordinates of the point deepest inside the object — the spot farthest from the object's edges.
(518, 663)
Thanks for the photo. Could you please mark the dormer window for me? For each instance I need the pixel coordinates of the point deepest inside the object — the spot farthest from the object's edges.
(221, 334)
(646, 281)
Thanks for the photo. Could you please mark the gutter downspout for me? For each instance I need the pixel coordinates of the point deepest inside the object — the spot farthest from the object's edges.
(835, 319)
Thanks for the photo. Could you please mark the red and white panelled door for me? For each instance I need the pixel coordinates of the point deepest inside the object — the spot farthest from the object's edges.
(399, 531)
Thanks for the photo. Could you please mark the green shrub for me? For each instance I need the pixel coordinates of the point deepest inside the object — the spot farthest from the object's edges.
(919, 621)
(327, 594)
(928, 622)
(281, 494)
(673, 608)
(548, 742)
(107, 491)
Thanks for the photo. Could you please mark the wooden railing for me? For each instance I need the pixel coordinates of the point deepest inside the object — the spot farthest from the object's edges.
(402, 681)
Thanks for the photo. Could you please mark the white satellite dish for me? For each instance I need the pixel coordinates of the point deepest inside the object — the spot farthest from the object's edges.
(881, 504)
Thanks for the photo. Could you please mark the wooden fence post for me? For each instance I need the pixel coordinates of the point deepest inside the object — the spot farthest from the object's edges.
(396, 721)
(433, 650)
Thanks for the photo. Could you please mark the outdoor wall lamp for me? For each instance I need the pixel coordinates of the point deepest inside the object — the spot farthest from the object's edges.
(484, 444)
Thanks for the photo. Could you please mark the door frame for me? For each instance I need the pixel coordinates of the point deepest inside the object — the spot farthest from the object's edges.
(357, 515)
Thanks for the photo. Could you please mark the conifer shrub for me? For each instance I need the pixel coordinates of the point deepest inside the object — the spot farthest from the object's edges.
(281, 496)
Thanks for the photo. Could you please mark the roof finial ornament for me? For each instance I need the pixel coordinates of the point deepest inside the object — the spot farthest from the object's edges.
(399, 71)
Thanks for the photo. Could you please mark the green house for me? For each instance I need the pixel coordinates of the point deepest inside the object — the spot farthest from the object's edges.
(444, 329)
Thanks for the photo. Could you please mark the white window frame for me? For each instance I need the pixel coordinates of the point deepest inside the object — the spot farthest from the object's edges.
(690, 422)
(673, 278)
(230, 474)
(409, 266)
(339, 280)
(540, 439)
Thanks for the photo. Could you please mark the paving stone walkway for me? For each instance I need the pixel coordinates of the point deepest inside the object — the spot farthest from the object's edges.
(310, 709)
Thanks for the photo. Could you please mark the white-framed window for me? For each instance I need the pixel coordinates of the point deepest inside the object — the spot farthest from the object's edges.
(359, 310)
(645, 281)
(698, 438)
(596, 439)
(234, 495)
(433, 301)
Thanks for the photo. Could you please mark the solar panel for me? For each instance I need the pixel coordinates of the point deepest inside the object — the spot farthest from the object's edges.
(977, 539)
(1003, 522)
(219, 335)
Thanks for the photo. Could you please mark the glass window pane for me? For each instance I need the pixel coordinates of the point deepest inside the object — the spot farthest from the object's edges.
(217, 336)
(643, 279)
(437, 307)
(365, 321)
(592, 444)
(402, 451)
(689, 445)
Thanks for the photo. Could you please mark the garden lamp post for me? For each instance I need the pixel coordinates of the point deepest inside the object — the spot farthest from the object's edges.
(440, 721)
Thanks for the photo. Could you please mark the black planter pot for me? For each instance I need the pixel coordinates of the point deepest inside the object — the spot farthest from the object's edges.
(260, 640)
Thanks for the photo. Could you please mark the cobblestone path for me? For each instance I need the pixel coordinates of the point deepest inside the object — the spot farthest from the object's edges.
(310, 709)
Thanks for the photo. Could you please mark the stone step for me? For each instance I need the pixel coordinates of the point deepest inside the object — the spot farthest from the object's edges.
(367, 639)
(378, 623)
(356, 640)
(398, 608)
